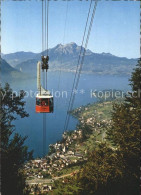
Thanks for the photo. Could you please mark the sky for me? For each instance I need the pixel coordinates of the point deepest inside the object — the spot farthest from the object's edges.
(115, 30)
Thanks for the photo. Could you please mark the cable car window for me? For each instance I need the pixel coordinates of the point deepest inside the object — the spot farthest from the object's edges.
(44, 102)
(38, 102)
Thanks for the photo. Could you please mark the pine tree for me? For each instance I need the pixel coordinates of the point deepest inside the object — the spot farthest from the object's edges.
(115, 169)
(125, 132)
(13, 151)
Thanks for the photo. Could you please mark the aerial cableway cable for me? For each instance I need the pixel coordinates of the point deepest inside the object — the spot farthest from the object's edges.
(45, 10)
(79, 67)
(46, 33)
(66, 120)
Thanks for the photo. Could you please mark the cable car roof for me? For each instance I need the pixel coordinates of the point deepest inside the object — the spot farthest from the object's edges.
(44, 96)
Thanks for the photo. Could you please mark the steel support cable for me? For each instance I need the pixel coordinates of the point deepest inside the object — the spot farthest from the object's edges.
(78, 64)
(43, 48)
(77, 67)
(45, 41)
(47, 16)
(82, 61)
(45, 9)
(45, 26)
(44, 134)
(47, 23)
(42, 25)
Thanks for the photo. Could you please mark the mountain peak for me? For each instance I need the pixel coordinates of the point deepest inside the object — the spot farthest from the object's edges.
(71, 44)
(69, 48)
(107, 54)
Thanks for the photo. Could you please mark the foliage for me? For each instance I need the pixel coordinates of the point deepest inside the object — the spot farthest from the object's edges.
(113, 167)
(102, 173)
(46, 175)
(51, 150)
(86, 131)
(115, 170)
(13, 151)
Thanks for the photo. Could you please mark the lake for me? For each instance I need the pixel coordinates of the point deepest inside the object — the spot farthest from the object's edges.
(60, 84)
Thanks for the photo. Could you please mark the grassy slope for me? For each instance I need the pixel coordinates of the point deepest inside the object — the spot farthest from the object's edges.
(99, 111)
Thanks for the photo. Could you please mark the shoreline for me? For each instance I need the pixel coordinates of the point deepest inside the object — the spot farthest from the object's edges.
(70, 153)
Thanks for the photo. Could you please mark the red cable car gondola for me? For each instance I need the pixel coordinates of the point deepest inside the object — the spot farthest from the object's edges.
(44, 99)
(44, 103)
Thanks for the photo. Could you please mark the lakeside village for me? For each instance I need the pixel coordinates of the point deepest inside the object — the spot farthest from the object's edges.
(65, 157)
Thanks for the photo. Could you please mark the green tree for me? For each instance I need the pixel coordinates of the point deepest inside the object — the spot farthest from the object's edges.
(114, 169)
(125, 132)
(13, 151)
(102, 173)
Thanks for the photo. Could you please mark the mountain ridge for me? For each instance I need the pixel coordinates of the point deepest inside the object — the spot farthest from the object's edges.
(65, 57)
(8, 72)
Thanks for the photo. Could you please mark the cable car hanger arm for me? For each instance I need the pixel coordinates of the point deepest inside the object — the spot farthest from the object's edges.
(41, 90)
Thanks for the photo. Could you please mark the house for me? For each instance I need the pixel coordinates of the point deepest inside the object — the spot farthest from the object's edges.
(50, 187)
(64, 149)
(37, 161)
(63, 165)
(70, 152)
(54, 165)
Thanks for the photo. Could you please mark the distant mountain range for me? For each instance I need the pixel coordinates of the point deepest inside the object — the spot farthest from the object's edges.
(15, 58)
(7, 72)
(65, 57)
